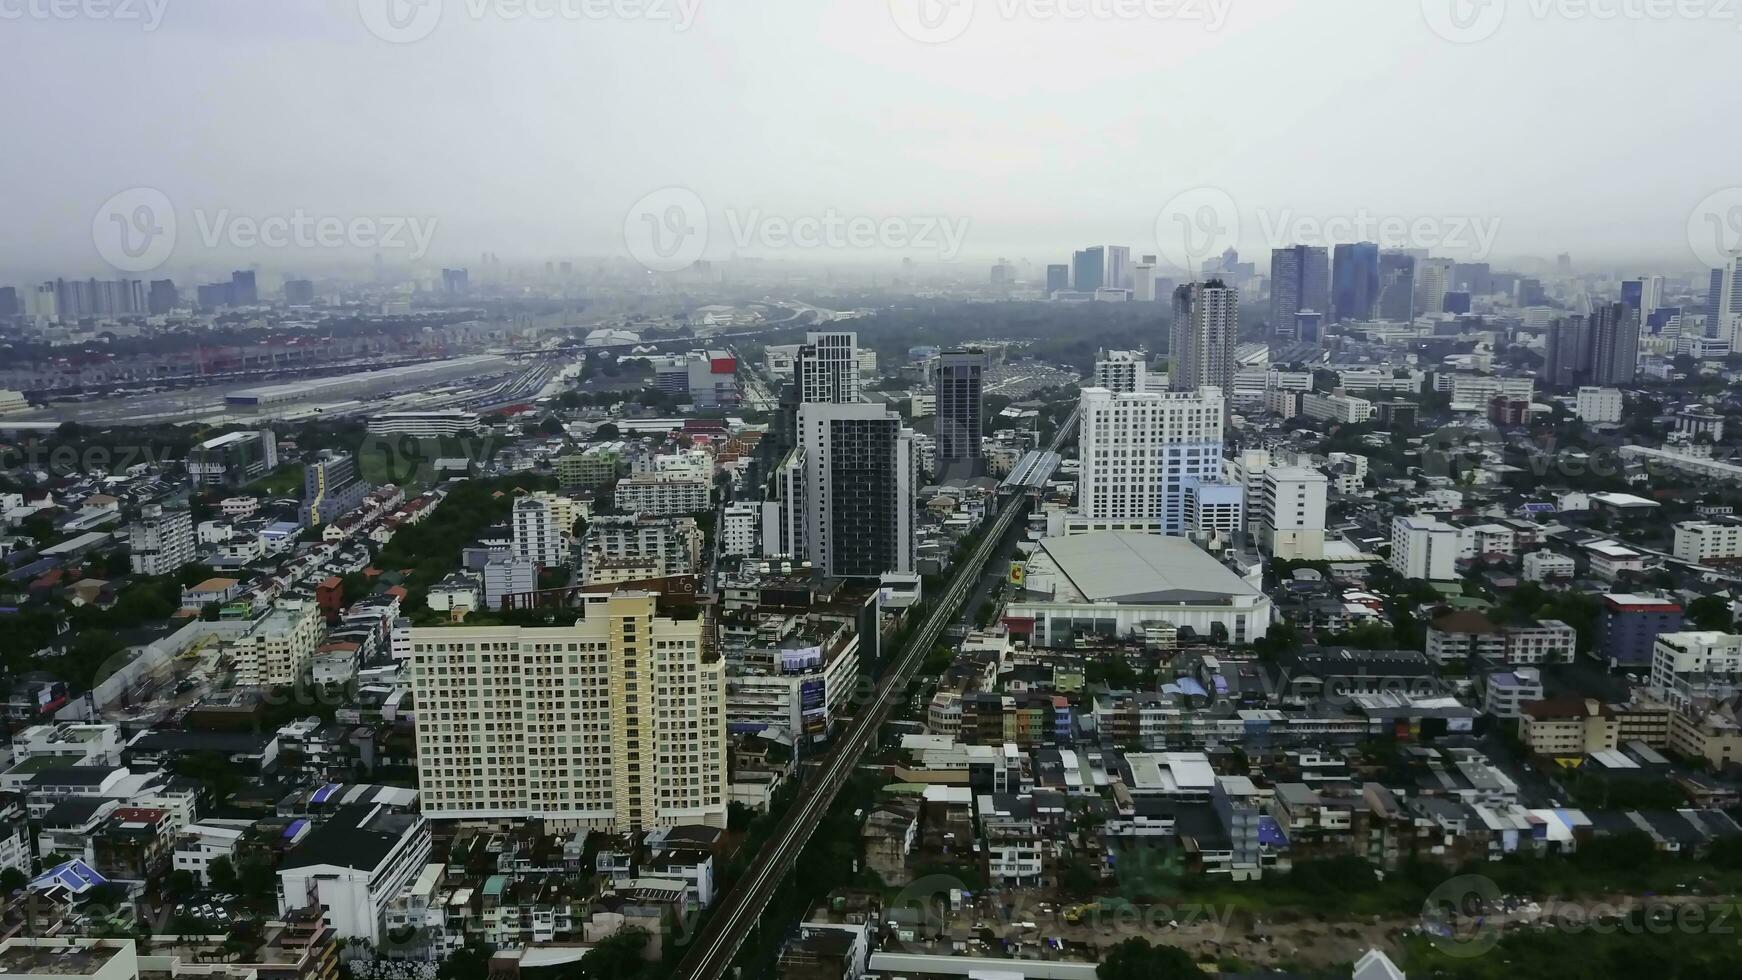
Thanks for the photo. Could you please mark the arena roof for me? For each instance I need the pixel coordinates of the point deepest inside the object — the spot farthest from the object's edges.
(1119, 566)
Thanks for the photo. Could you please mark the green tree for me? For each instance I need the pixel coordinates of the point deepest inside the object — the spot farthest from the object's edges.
(222, 874)
(1710, 612)
(12, 879)
(469, 962)
(1136, 959)
(617, 958)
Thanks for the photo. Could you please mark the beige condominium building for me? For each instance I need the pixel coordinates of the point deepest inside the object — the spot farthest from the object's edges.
(616, 723)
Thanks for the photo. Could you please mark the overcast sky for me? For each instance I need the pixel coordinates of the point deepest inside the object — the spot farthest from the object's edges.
(1551, 128)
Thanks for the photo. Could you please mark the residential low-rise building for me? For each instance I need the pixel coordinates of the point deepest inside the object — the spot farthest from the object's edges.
(353, 865)
(662, 496)
(1568, 727)
(1505, 693)
(1704, 542)
(1544, 566)
(1695, 666)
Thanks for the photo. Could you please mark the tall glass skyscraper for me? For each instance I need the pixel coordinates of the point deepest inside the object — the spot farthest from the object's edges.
(1300, 279)
(1355, 282)
(1089, 269)
(1397, 287)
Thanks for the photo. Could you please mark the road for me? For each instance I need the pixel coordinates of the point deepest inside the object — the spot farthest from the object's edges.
(742, 906)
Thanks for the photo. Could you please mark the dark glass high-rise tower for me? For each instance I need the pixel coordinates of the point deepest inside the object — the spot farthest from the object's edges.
(1355, 282)
(960, 378)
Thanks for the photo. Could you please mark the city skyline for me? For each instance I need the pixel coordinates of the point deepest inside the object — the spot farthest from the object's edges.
(991, 183)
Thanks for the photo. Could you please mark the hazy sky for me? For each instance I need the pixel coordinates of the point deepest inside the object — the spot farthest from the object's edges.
(1025, 131)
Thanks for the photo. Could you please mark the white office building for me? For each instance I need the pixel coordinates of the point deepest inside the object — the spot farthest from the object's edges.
(1703, 541)
(508, 576)
(827, 368)
(1139, 449)
(662, 496)
(1540, 566)
(1597, 405)
(538, 535)
(161, 541)
(741, 530)
(1215, 510)
(1335, 407)
(353, 865)
(279, 648)
(431, 424)
(1291, 522)
(1424, 548)
(1121, 371)
(1695, 665)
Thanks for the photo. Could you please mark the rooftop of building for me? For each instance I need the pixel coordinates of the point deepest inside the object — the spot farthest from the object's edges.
(1116, 566)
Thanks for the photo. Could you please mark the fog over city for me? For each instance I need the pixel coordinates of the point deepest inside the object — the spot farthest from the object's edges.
(843, 133)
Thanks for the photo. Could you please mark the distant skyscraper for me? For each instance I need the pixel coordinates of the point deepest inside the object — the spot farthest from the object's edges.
(213, 295)
(1433, 279)
(859, 487)
(1089, 269)
(1354, 282)
(163, 296)
(1058, 277)
(826, 369)
(299, 292)
(1568, 352)
(1300, 279)
(77, 299)
(1143, 283)
(1615, 336)
(1724, 304)
(456, 282)
(1476, 277)
(9, 305)
(1139, 450)
(1397, 286)
(960, 377)
(242, 288)
(1118, 272)
(1206, 329)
